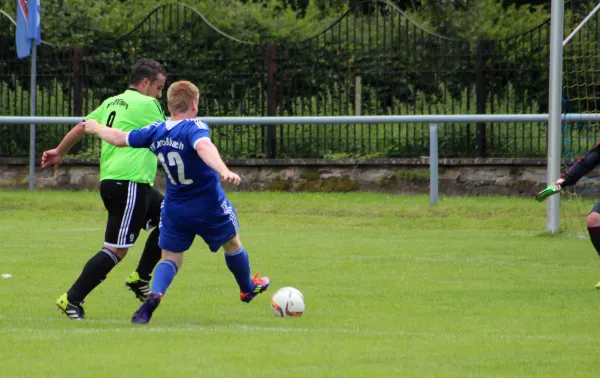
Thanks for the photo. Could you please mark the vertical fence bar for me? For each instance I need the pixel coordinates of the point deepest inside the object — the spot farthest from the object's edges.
(271, 99)
(357, 96)
(433, 163)
(77, 80)
(480, 99)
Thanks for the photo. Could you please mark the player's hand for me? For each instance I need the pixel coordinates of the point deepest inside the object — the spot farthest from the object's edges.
(51, 158)
(231, 178)
(549, 191)
(91, 126)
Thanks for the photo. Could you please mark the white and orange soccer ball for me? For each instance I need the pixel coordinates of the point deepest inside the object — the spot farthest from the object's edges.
(287, 301)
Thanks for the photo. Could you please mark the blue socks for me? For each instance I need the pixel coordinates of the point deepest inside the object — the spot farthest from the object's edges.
(163, 276)
(239, 265)
(237, 262)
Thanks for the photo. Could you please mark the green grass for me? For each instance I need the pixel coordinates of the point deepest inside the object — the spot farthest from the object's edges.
(472, 287)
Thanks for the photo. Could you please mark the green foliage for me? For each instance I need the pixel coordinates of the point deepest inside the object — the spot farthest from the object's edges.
(373, 61)
(78, 22)
(73, 22)
(478, 19)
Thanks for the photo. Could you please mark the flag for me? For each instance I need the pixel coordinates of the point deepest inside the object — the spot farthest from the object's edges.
(23, 43)
(34, 30)
(28, 26)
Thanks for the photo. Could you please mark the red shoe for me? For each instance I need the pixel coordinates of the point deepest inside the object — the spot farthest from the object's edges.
(260, 284)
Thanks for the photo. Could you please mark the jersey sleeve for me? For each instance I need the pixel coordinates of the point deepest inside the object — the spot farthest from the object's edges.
(196, 131)
(97, 114)
(582, 166)
(142, 138)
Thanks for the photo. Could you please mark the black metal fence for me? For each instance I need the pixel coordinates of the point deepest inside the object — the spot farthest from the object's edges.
(373, 60)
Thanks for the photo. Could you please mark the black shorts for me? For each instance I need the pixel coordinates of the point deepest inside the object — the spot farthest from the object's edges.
(131, 206)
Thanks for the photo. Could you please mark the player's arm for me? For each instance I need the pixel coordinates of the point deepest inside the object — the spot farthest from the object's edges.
(72, 138)
(112, 136)
(208, 152)
(54, 156)
(579, 169)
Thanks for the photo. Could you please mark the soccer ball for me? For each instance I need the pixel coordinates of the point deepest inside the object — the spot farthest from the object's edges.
(287, 301)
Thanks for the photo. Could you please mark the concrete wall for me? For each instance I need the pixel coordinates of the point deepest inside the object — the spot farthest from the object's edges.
(457, 176)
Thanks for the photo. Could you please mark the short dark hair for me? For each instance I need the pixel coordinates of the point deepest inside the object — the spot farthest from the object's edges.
(146, 69)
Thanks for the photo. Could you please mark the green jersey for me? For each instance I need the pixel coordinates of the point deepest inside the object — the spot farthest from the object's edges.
(128, 111)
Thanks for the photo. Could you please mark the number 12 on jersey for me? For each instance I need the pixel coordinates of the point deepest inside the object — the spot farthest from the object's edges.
(174, 160)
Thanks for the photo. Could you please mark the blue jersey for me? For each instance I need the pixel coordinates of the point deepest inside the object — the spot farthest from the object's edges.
(190, 182)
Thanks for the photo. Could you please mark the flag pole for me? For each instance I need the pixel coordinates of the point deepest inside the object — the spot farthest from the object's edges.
(32, 104)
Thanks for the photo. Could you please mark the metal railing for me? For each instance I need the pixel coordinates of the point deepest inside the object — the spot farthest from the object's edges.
(432, 120)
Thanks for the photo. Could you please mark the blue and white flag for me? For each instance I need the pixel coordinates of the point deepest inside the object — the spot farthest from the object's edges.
(28, 26)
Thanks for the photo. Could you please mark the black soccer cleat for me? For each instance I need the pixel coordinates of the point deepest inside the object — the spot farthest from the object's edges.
(73, 311)
(140, 287)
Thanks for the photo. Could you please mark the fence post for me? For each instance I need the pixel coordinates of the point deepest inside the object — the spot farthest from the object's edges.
(433, 163)
(358, 96)
(480, 97)
(77, 81)
(271, 100)
(32, 111)
(77, 88)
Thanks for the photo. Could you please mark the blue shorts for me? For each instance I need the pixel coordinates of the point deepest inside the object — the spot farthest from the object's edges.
(178, 228)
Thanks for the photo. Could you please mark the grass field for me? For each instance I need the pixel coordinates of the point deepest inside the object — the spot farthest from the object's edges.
(394, 287)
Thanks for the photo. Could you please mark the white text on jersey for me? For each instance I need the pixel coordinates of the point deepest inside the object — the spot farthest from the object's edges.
(166, 142)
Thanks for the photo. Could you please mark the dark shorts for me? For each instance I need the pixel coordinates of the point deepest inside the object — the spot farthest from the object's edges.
(131, 207)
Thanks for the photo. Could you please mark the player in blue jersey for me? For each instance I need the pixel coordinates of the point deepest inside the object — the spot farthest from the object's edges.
(194, 203)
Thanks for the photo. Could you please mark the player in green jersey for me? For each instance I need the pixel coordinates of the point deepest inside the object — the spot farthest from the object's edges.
(126, 179)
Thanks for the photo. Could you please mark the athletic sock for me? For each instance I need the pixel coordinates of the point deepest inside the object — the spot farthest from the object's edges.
(163, 276)
(239, 264)
(595, 237)
(94, 272)
(150, 257)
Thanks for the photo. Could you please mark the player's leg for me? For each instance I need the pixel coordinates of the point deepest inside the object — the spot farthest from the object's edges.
(121, 199)
(166, 270)
(222, 231)
(175, 239)
(238, 262)
(139, 281)
(593, 226)
(163, 277)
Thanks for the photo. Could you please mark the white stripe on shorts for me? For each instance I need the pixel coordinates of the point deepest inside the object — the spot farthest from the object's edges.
(129, 208)
(232, 217)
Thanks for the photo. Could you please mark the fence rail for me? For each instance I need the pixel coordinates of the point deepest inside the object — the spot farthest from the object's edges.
(360, 136)
(327, 120)
(433, 122)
